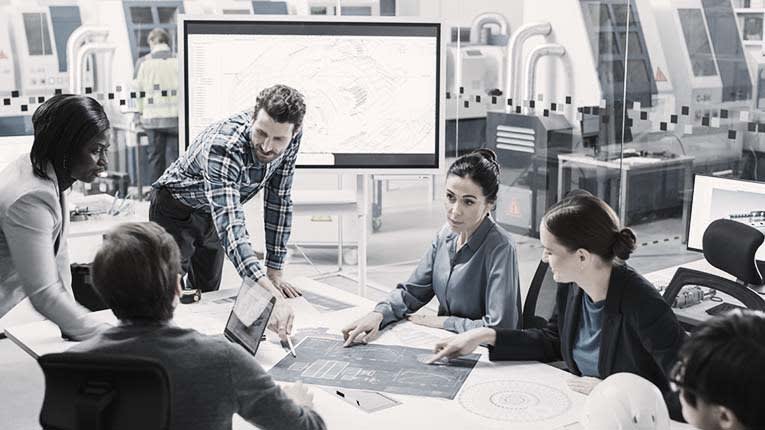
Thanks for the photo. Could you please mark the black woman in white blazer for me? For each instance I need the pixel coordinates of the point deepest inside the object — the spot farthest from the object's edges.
(70, 144)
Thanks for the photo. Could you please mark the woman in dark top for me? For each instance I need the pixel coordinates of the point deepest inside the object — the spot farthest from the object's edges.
(607, 317)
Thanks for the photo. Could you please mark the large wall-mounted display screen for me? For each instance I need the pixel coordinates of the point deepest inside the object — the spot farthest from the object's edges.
(372, 88)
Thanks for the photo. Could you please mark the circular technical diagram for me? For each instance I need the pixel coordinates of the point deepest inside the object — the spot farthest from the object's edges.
(516, 401)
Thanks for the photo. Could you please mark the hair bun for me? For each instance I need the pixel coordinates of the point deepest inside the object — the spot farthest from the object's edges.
(624, 243)
(578, 193)
(487, 154)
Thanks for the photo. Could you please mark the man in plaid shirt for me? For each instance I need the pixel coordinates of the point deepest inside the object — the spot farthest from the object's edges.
(199, 198)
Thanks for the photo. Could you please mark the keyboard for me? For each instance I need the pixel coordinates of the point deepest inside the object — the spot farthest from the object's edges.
(722, 308)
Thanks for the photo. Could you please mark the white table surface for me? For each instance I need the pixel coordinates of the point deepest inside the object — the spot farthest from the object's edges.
(414, 412)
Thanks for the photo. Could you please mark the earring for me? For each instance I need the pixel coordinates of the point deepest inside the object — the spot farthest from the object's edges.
(65, 164)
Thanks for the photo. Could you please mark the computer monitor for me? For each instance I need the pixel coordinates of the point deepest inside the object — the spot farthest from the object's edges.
(371, 85)
(715, 198)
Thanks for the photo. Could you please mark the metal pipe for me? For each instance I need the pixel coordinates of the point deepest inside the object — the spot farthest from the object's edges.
(514, 50)
(80, 36)
(79, 65)
(487, 18)
(548, 49)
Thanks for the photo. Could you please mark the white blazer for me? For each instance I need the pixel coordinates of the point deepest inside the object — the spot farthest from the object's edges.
(32, 218)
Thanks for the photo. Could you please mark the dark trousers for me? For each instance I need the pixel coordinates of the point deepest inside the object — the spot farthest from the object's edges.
(162, 149)
(194, 232)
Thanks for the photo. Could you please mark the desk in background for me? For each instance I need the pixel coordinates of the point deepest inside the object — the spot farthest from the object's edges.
(606, 172)
(693, 315)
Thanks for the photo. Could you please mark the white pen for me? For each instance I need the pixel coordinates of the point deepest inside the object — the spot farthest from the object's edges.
(114, 202)
(292, 348)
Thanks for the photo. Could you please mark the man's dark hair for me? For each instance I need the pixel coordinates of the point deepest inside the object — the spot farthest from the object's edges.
(136, 272)
(282, 103)
(723, 363)
(63, 125)
(482, 168)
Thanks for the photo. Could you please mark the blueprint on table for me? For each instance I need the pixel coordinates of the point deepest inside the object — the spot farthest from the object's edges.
(387, 368)
(324, 303)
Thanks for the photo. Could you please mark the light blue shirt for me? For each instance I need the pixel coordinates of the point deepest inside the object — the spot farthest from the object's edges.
(587, 347)
(476, 286)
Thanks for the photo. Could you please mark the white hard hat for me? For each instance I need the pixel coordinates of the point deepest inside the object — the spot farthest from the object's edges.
(625, 401)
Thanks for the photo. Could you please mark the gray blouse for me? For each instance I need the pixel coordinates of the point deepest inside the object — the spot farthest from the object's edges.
(476, 286)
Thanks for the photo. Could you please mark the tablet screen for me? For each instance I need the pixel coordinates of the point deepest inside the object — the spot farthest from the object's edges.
(248, 336)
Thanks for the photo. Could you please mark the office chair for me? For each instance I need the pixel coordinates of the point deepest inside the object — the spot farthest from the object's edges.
(540, 299)
(729, 246)
(89, 391)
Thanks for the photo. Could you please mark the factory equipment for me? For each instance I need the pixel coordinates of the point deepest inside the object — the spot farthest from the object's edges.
(680, 107)
(527, 146)
(475, 72)
(711, 78)
(347, 7)
(33, 42)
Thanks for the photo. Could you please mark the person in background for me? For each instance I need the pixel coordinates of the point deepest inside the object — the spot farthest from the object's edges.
(137, 272)
(471, 265)
(156, 74)
(71, 141)
(721, 373)
(199, 199)
(607, 317)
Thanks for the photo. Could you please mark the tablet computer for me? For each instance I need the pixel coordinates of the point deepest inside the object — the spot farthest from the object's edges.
(247, 330)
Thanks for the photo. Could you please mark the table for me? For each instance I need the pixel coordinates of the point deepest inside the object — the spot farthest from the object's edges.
(413, 412)
(100, 224)
(624, 169)
(693, 315)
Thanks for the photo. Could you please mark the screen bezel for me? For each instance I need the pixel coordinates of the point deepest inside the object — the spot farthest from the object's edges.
(251, 343)
(693, 197)
(391, 166)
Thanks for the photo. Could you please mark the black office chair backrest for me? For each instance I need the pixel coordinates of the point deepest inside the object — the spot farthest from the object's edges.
(731, 246)
(89, 391)
(540, 299)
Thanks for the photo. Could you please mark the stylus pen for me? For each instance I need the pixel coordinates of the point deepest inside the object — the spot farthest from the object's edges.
(292, 348)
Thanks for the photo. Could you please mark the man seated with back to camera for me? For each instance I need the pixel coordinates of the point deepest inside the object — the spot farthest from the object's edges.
(721, 373)
(136, 271)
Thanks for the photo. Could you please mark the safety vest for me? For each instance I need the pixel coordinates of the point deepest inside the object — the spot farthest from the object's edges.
(157, 77)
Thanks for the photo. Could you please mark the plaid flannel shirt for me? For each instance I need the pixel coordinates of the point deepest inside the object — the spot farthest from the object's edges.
(219, 172)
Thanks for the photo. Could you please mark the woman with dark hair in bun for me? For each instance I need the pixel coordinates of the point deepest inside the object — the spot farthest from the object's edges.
(607, 318)
(71, 143)
(471, 267)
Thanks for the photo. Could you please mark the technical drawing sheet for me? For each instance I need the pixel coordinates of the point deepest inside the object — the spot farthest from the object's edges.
(387, 368)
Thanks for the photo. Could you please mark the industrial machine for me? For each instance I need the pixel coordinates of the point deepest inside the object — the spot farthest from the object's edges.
(711, 76)
(33, 39)
(527, 148)
(687, 83)
(527, 138)
(351, 7)
(475, 72)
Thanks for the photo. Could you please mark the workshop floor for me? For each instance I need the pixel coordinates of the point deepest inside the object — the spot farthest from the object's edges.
(409, 223)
